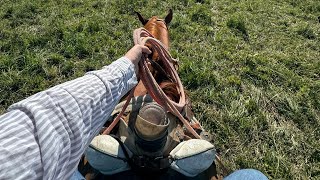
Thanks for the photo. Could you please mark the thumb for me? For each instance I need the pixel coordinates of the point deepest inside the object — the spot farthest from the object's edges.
(145, 49)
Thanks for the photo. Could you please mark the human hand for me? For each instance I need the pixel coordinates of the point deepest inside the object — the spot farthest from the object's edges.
(135, 54)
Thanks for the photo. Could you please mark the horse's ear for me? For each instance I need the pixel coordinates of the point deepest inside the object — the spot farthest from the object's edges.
(168, 17)
(142, 19)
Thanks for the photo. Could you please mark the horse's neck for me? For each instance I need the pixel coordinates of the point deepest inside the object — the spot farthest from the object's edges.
(159, 31)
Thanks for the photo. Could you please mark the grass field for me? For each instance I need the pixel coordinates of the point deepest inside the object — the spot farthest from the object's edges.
(252, 68)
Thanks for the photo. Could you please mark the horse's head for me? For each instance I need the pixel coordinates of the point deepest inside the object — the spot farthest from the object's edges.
(158, 27)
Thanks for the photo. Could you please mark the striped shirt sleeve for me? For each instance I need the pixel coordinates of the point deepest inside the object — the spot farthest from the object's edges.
(44, 136)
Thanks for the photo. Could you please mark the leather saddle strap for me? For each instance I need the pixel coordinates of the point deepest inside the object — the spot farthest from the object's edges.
(126, 154)
(116, 120)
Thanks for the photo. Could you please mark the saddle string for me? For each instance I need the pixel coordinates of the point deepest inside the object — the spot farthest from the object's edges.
(116, 120)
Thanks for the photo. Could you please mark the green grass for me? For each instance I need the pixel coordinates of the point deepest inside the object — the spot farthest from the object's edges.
(252, 68)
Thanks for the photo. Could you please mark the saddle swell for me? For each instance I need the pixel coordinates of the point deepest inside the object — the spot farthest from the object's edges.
(140, 160)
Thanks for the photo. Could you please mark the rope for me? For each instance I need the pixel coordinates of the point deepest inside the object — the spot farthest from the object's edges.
(142, 37)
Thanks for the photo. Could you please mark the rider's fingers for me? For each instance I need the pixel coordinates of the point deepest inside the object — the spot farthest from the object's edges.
(145, 49)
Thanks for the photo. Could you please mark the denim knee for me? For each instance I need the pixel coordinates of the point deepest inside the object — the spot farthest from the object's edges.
(246, 174)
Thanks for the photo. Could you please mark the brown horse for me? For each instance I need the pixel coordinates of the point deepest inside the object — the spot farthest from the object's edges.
(158, 28)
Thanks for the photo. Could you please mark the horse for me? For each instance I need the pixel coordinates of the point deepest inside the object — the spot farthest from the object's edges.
(158, 29)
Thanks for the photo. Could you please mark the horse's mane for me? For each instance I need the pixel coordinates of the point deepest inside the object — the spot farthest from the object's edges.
(158, 28)
(170, 89)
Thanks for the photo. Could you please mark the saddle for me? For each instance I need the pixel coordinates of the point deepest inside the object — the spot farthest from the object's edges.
(149, 142)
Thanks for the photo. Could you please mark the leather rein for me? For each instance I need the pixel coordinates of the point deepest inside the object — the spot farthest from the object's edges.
(142, 36)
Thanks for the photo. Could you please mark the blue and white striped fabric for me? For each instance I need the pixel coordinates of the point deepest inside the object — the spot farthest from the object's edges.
(44, 136)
